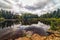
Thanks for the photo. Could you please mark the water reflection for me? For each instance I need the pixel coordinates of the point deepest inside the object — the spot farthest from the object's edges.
(8, 23)
(11, 27)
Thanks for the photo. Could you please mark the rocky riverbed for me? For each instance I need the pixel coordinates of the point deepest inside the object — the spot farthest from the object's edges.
(52, 36)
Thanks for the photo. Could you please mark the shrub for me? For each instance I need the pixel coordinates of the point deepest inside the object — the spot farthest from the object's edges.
(53, 27)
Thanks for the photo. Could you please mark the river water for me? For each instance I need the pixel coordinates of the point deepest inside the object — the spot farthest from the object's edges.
(6, 31)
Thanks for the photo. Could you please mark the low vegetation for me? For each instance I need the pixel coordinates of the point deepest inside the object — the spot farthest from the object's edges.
(1, 19)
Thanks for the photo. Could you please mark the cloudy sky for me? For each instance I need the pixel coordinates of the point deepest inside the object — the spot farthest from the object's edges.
(33, 6)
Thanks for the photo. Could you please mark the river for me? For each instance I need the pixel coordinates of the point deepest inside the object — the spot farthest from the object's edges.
(9, 31)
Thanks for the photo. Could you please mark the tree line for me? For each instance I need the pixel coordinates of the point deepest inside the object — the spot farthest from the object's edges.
(54, 14)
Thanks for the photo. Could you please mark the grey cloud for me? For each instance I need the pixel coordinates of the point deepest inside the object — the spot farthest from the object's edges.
(2, 5)
(7, 1)
(39, 5)
(16, 0)
(35, 8)
(31, 7)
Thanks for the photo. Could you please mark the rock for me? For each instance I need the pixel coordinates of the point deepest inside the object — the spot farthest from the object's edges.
(57, 35)
(37, 37)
